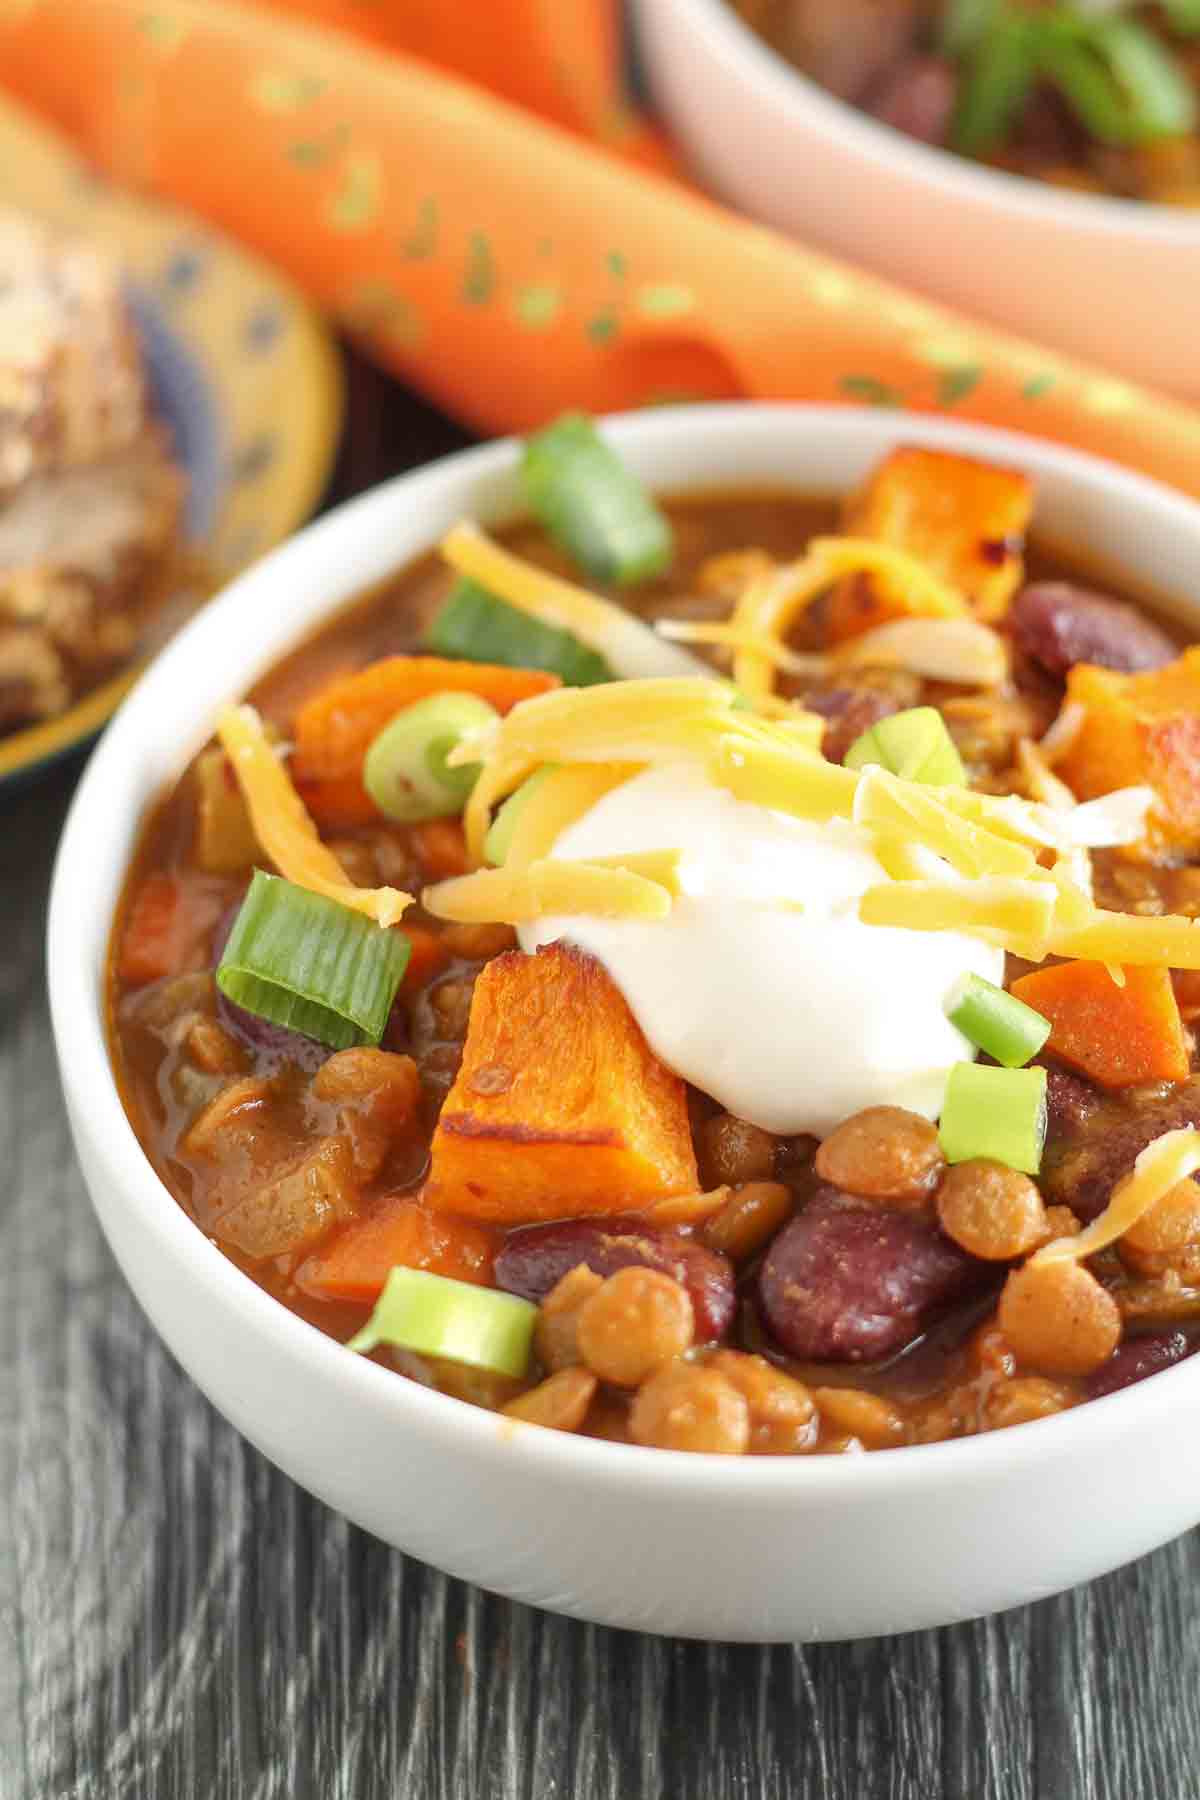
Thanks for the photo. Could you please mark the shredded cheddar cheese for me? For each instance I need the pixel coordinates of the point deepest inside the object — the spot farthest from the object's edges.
(1162, 1165)
(562, 798)
(884, 802)
(1013, 872)
(630, 647)
(608, 888)
(959, 650)
(772, 603)
(282, 824)
(1017, 914)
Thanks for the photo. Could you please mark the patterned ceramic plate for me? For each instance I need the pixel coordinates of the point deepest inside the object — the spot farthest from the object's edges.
(243, 371)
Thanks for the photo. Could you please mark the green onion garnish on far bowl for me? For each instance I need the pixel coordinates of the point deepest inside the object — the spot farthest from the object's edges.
(592, 505)
(995, 1022)
(998, 77)
(436, 1316)
(498, 841)
(307, 963)
(1123, 83)
(914, 744)
(964, 22)
(474, 625)
(1182, 15)
(996, 1113)
(406, 772)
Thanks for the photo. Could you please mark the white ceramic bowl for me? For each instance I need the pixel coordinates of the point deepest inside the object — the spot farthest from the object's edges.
(1110, 280)
(697, 1545)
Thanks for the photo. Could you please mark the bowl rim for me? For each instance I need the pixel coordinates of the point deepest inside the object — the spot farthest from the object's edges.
(78, 1006)
(953, 176)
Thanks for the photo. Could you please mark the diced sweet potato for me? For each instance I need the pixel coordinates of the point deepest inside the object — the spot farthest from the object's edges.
(402, 1233)
(1119, 1036)
(965, 520)
(1142, 729)
(559, 1108)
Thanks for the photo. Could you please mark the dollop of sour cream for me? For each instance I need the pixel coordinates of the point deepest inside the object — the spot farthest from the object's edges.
(763, 987)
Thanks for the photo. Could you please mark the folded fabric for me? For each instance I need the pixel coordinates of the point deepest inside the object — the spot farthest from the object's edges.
(499, 262)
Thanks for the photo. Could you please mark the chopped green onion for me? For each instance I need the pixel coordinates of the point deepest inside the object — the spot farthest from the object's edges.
(309, 964)
(405, 771)
(996, 83)
(996, 1113)
(472, 623)
(995, 1022)
(438, 1317)
(1120, 79)
(1182, 15)
(592, 505)
(914, 744)
(498, 841)
(964, 23)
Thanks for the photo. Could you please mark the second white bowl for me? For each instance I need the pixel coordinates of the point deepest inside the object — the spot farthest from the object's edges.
(1115, 281)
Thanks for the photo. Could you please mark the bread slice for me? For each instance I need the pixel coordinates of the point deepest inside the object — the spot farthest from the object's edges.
(72, 383)
(86, 554)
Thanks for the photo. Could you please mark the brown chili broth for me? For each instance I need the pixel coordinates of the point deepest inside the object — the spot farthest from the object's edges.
(391, 619)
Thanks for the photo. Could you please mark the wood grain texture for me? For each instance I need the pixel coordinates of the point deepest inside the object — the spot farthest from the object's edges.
(179, 1622)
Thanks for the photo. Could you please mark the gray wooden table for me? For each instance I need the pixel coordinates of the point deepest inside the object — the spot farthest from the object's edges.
(179, 1622)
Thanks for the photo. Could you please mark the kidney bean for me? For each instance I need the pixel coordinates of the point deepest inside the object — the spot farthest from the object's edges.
(1134, 1360)
(917, 97)
(851, 1282)
(850, 711)
(1058, 624)
(845, 45)
(1081, 1169)
(534, 1259)
(1070, 1101)
(273, 1045)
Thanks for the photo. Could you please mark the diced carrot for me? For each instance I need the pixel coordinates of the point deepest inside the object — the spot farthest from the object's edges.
(1120, 1036)
(334, 729)
(155, 931)
(338, 805)
(560, 1107)
(441, 849)
(1186, 983)
(357, 1262)
(427, 954)
(1141, 729)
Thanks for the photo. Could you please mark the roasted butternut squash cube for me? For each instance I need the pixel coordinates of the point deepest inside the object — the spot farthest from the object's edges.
(965, 520)
(560, 1107)
(1142, 730)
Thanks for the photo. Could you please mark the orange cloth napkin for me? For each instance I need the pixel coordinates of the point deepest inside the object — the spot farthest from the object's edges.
(485, 250)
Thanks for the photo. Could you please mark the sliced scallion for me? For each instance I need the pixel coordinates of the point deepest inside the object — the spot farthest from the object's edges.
(436, 1316)
(995, 1022)
(472, 623)
(1123, 83)
(995, 1113)
(1182, 15)
(914, 744)
(998, 79)
(405, 771)
(308, 963)
(592, 505)
(498, 841)
(964, 23)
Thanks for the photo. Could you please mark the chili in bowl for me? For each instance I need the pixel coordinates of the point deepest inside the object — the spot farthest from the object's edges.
(708, 975)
